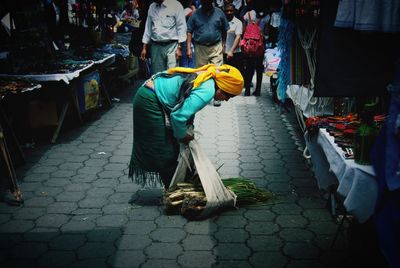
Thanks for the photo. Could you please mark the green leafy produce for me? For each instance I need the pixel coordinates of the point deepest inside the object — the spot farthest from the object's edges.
(246, 191)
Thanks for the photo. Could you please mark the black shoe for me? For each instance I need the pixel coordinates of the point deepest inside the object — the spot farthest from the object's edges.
(257, 94)
(217, 103)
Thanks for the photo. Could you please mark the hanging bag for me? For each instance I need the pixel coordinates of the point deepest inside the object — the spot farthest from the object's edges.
(252, 44)
(218, 196)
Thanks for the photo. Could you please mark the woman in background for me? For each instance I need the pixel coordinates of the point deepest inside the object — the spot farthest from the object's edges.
(254, 64)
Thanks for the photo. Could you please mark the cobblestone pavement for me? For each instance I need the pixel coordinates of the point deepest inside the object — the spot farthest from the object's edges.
(81, 210)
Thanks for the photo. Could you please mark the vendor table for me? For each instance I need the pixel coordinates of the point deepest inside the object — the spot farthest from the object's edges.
(69, 79)
(356, 183)
(65, 77)
(106, 61)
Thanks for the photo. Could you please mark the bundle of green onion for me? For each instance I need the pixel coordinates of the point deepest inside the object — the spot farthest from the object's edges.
(246, 191)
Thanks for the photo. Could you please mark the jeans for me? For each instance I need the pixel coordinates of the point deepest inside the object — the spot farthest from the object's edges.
(185, 61)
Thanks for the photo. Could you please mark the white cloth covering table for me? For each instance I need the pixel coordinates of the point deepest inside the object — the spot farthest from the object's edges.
(66, 77)
(356, 183)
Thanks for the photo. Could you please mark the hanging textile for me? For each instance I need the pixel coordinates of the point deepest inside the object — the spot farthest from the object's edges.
(285, 35)
(369, 15)
(305, 54)
(386, 160)
(296, 14)
(349, 62)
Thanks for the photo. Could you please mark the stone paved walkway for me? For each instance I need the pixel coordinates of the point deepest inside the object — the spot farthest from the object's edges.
(81, 210)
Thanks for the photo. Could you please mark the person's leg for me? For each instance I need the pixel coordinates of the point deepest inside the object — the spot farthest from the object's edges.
(201, 55)
(192, 61)
(184, 61)
(241, 63)
(158, 62)
(166, 176)
(249, 73)
(226, 61)
(259, 75)
(244, 69)
(170, 53)
(216, 54)
(237, 61)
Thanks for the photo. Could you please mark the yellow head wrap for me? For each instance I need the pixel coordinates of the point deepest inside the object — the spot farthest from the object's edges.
(227, 78)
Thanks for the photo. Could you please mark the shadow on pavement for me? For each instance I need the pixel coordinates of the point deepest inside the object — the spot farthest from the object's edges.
(48, 247)
(147, 197)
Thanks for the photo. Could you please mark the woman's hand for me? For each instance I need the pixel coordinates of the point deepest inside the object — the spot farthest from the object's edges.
(186, 139)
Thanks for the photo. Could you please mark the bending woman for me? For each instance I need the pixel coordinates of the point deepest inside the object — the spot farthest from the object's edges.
(163, 110)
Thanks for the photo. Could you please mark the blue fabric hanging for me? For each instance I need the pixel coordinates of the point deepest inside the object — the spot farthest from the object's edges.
(369, 15)
(285, 35)
(386, 160)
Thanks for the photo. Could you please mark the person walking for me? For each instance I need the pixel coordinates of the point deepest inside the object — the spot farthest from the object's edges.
(165, 30)
(232, 53)
(207, 27)
(159, 101)
(254, 64)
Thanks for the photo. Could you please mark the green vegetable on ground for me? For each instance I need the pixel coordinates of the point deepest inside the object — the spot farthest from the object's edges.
(246, 191)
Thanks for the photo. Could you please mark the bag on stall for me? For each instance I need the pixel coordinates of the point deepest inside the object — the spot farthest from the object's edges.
(303, 98)
(272, 58)
(252, 44)
(300, 95)
(193, 160)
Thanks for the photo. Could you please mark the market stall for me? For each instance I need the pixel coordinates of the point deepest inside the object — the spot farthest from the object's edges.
(355, 182)
(66, 75)
(73, 56)
(341, 62)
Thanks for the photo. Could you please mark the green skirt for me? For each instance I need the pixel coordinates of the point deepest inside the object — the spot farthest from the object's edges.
(155, 150)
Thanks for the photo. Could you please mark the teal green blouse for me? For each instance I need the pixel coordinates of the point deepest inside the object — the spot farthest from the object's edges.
(167, 90)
